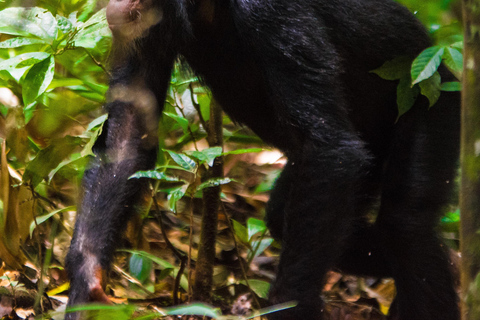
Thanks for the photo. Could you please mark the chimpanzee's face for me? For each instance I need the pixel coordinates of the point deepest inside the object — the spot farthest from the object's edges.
(130, 19)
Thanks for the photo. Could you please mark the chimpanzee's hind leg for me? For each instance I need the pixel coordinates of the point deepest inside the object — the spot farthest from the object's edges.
(417, 184)
(129, 143)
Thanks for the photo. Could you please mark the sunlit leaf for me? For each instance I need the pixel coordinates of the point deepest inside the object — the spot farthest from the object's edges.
(255, 226)
(183, 161)
(215, 182)
(259, 287)
(38, 79)
(197, 309)
(34, 21)
(426, 64)
(153, 174)
(19, 42)
(453, 58)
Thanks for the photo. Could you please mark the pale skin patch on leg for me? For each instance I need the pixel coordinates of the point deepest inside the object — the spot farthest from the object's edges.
(96, 279)
(144, 107)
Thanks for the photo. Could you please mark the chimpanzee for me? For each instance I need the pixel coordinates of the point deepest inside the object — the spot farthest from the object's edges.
(298, 73)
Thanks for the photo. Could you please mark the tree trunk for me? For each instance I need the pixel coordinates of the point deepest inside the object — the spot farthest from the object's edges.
(470, 164)
(211, 201)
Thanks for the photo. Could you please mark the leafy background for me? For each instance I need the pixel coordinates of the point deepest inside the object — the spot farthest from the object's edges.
(53, 80)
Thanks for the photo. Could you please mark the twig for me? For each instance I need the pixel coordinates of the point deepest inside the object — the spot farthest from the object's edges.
(177, 253)
(242, 267)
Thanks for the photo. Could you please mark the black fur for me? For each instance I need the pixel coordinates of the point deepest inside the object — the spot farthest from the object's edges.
(298, 74)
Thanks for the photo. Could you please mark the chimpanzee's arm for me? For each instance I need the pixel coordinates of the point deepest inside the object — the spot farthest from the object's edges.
(140, 76)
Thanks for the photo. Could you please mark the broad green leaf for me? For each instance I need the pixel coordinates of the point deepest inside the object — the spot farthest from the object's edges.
(207, 155)
(406, 95)
(102, 311)
(259, 246)
(452, 86)
(431, 88)
(75, 159)
(176, 195)
(453, 58)
(426, 64)
(23, 60)
(37, 80)
(140, 267)
(88, 149)
(65, 82)
(42, 219)
(97, 122)
(197, 309)
(272, 309)
(49, 158)
(180, 120)
(259, 287)
(240, 231)
(19, 42)
(65, 25)
(183, 161)
(162, 263)
(36, 22)
(165, 265)
(394, 69)
(153, 174)
(94, 28)
(243, 151)
(215, 182)
(255, 226)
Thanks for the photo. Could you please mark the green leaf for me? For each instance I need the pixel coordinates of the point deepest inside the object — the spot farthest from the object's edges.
(394, 69)
(97, 122)
(453, 58)
(431, 88)
(215, 182)
(259, 287)
(35, 22)
(88, 149)
(153, 174)
(37, 80)
(183, 161)
(243, 151)
(426, 64)
(94, 28)
(406, 95)
(452, 86)
(260, 246)
(255, 226)
(180, 120)
(165, 265)
(240, 231)
(19, 42)
(162, 263)
(23, 60)
(42, 219)
(65, 82)
(197, 309)
(49, 158)
(140, 267)
(272, 309)
(64, 24)
(207, 155)
(176, 195)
